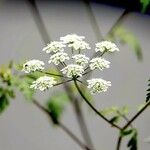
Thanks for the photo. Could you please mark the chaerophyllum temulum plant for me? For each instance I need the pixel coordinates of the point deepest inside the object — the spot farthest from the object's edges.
(69, 56)
(73, 66)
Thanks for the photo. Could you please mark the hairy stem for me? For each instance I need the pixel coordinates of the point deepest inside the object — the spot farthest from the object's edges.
(52, 74)
(63, 82)
(136, 115)
(92, 19)
(80, 117)
(119, 142)
(93, 108)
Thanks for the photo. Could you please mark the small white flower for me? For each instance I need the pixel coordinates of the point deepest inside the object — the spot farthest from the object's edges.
(99, 63)
(43, 83)
(58, 58)
(106, 45)
(70, 38)
(33, 65)
(98, 85)
(81, 59)
(73, 70)
(79, 45)
(55, 47)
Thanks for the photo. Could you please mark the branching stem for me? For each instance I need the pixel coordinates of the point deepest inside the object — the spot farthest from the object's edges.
(93, 108)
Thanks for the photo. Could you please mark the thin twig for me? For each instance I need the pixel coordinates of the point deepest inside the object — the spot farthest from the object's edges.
(136, 115)
(52, 74)
(124, 117)
(80, 117)
(93, 108)
(61, 125)
(63, 82)
(39, 22)
(93, 21)
(129, 123)
(119, 142)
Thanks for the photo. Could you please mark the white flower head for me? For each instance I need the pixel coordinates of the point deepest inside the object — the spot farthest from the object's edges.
(33, 65)
(43, 83)
(55, 47)
(58, 58)
(106, 45)
(71, 38)
(81, 59)
(99, 63)
(79, 45)
(73, 70)
(98, 85)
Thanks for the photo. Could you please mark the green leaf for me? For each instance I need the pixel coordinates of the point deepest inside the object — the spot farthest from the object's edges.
(124, 110)
(148, 90)
(115, 119)
(109, 111)
(56, 105)
(132, 144)
(126, 132)
(145, 4)
(128, 38)
(4, 101)
(23, 85)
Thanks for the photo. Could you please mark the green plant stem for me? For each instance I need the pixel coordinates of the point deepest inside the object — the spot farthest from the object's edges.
(120, 138)
(129, 123)
(119, 142)
(118, 22)
(63, 82)
(39, 21)
(124, 117)
(136, 115)
(52, 74)
(80, 116)
(93, 21)
(62, 126)
(93, 108)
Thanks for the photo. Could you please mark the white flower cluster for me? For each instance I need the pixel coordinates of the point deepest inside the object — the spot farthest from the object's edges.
(79, 45)
(75, 42)
(58, 58)
(98, 85)
(71, 38)
(33, 65)
(43, 83)
(99, 63)
(106, 46)
(54, 47)
(81, 59)
(73, 70)
(80, 65)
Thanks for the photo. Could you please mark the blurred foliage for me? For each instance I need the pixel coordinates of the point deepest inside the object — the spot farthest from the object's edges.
(126, 37)
(5, 95)
(56, 105)
(140, 107)
(114, 113)
(6, 90)
(145, 4)
(132, 133)
(23, 84)
(148, 90)
(132, 144)
(126, 132)
(84, 90)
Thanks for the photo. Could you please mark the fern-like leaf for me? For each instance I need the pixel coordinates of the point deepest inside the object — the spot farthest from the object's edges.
(148, 92)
